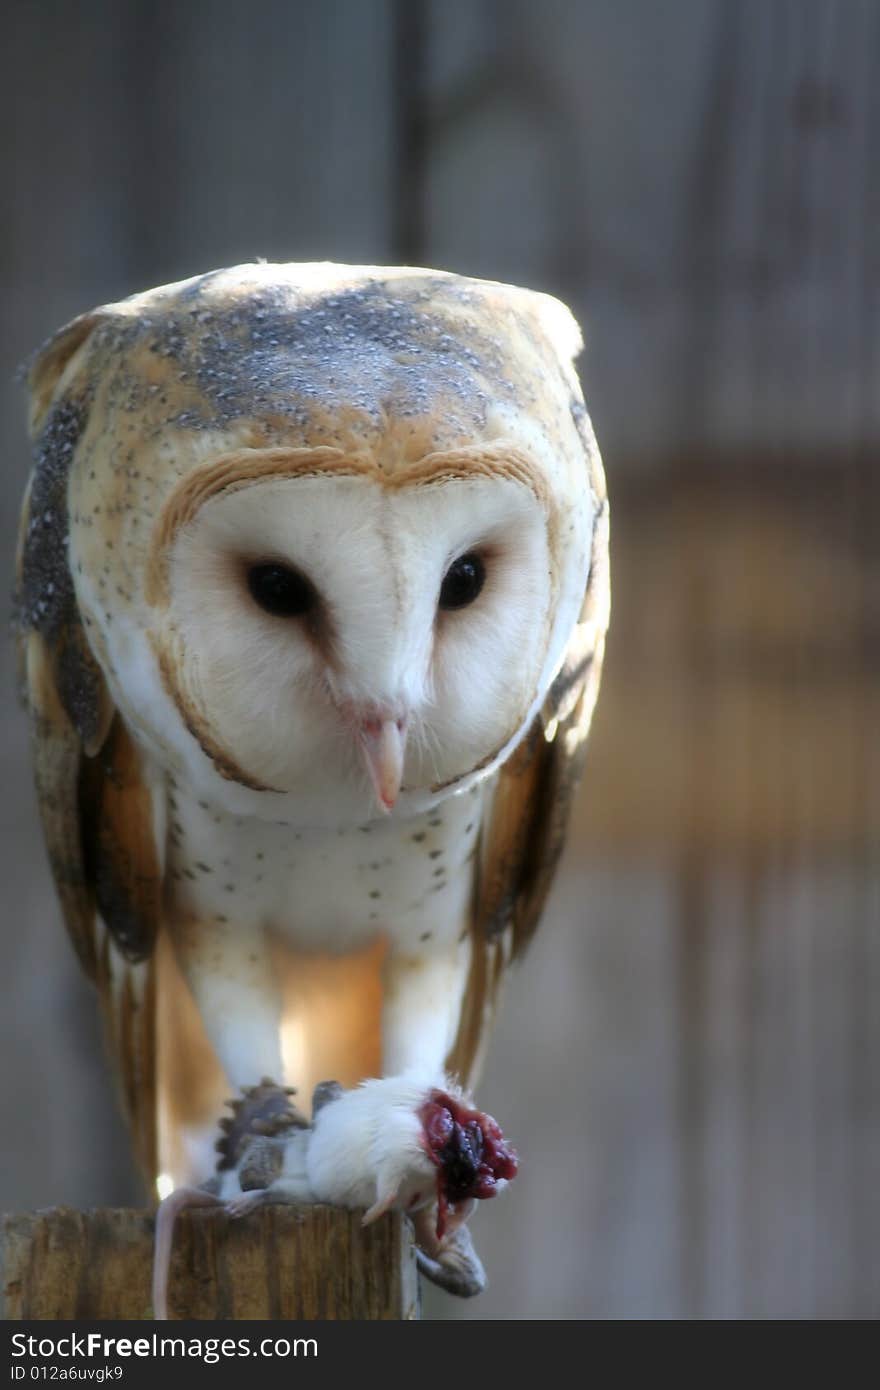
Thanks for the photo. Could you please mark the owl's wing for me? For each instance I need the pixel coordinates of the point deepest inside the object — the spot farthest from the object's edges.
(95, 804)
(525, 829)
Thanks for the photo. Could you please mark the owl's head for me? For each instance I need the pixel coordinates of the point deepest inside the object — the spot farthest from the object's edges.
(355, 521)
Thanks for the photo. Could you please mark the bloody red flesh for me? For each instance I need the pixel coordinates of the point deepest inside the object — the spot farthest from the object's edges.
(469, 1151)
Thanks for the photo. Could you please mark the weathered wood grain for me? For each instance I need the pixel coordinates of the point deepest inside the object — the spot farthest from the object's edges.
(280, 1263)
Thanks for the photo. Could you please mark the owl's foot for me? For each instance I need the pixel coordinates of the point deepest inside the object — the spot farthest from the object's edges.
(456, 1266)
(264, 1112)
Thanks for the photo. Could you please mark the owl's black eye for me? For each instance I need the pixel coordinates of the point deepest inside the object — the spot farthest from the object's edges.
(282, 591)
(463, 581)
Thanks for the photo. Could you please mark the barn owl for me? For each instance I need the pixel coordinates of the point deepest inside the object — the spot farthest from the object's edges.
(312, 593)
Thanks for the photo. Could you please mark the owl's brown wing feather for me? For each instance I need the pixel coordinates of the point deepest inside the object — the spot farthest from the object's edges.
(95, 805)
(98, 826)
(525, 829)
(57, 754)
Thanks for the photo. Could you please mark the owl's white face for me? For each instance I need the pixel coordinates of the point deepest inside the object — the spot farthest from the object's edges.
(315, 611)
(278, 472)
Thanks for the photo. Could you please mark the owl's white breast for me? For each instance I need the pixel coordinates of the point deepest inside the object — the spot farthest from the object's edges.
(407, 879)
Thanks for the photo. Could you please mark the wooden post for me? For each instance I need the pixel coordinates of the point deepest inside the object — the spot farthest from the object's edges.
(280, 1262)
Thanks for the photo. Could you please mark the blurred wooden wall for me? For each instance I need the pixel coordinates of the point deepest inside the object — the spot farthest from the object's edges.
(690, 1057)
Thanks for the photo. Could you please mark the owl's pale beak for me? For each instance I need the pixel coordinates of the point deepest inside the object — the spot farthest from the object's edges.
(384, 744)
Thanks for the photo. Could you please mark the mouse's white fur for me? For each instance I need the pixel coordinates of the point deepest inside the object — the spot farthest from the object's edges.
(364, 1149)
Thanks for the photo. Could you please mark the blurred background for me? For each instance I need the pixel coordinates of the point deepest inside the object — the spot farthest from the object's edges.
(689, 1058)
